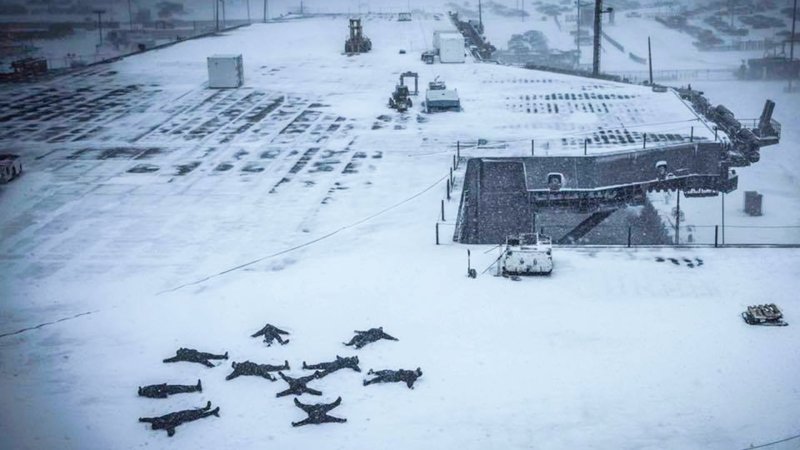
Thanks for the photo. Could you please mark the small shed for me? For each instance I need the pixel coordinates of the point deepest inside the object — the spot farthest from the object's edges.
(225, 71)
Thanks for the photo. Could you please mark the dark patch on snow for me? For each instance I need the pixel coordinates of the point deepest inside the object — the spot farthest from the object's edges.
(301, 163)
(252, 168)
(324, 166)
(115, 153)
(111, 153)
(149, 153)
(282, 181)
(183, 169)
(223, 167)
(351, 168)
(269, 154)
(143, 168)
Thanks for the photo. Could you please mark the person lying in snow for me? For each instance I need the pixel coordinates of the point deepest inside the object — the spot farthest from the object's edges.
(165, 390)
(253, 369)
(170, 421)
(297, 386)
(394, 376)
(328, 368)
(363, 338)
(318, 413)
(191, 355)
(271, 333)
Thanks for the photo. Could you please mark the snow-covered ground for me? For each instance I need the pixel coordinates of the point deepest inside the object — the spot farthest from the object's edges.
(301, 200)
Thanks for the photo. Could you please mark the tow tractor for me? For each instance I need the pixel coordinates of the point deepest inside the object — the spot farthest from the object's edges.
(400, 99)
(527, 254)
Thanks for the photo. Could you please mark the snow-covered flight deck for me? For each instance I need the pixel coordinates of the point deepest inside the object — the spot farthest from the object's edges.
(142, 189)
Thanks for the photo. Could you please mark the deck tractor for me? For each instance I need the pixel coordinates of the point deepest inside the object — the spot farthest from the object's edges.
(527, 254)
(400, 99)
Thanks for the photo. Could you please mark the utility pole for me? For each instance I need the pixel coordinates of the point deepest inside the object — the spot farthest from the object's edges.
(248, 11)
(480, 14)
(598, 25)
(793, 37)
(578, 32)
(99, 13)
(578, 37)
(650, 59)
(723, 218)
(678, 221)
(223, 13)
(216, 14)
(130, 15)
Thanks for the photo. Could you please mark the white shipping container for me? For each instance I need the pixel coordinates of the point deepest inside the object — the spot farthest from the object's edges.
(451, 48)
(225, 71)
(437, 36)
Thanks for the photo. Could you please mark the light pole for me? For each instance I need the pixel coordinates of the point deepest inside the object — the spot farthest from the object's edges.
(215, 10)
(248, 11)
(678, 220)
(791, 43)
(266, 5)
(723, 218)
(130, 15)
(99, 13)
(578, 37)
(598, 25)
(794, 20)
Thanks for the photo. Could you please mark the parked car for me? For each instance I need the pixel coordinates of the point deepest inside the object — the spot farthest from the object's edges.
(10, 167)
